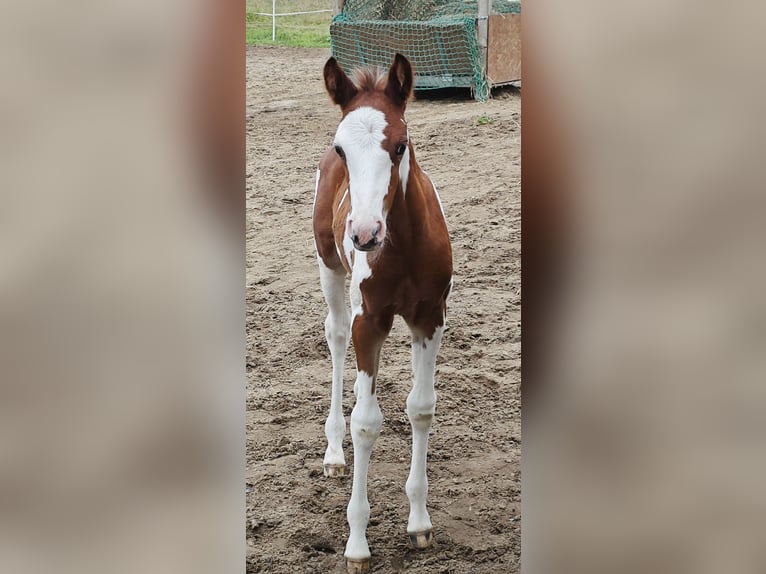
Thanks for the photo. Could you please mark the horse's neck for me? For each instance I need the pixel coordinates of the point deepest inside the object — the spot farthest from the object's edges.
(410, 205)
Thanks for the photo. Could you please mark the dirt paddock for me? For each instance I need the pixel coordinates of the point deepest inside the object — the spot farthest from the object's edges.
(296, 518)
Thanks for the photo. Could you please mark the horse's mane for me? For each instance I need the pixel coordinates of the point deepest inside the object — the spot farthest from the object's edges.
(369, 79)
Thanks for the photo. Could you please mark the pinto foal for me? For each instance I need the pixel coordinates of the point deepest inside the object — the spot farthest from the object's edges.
(378, 217)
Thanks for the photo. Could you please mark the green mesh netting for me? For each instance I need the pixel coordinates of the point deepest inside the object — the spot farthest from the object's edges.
(438, 37)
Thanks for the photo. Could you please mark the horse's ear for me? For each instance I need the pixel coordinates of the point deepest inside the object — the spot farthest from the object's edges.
(400, 80)
(341, 89)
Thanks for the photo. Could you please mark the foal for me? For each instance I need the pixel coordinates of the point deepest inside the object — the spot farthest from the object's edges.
(378, 217)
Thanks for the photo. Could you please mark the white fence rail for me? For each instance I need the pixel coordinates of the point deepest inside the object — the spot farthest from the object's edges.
(274, 15)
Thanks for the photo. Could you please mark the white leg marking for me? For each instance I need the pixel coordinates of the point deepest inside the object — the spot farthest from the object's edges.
(337, 331)
(366, 422)
(421, 404)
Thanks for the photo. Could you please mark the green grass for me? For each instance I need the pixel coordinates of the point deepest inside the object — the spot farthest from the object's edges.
(485, 120)
(303, 31)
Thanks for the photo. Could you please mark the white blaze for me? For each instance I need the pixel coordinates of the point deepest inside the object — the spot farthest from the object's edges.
(360, 134)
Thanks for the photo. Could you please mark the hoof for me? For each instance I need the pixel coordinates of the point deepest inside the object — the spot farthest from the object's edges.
(355, 566)
(421, 540)
(334, 470)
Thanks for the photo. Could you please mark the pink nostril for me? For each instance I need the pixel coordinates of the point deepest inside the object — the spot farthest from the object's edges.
(370, 233)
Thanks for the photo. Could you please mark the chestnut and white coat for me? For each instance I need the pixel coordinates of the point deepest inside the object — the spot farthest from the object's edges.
(378, 217)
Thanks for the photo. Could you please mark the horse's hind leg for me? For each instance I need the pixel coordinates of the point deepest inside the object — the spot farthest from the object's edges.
(421, 405)
(336, 328)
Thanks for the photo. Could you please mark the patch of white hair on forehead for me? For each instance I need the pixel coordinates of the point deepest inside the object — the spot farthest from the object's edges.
(363, 128)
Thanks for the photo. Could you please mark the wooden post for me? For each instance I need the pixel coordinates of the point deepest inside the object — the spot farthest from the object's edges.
(482, 26)
(481, 33)
(337, 7)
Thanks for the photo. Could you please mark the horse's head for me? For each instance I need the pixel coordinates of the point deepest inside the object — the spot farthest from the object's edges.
(373, 143)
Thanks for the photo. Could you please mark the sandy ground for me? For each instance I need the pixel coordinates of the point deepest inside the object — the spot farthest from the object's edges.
(296, 518)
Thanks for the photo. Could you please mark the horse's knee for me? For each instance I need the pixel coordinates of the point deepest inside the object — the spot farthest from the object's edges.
(336, 330)
(421, 420)
(366, 424)
(366, 428)
(421, 412)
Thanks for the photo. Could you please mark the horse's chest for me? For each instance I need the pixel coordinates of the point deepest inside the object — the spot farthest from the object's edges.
(401, 291)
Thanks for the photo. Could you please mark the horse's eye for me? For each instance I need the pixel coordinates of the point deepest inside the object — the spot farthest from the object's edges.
(339, 151)
(400, 149)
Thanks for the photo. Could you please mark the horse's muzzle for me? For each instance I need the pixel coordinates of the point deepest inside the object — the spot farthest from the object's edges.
(368, 236)
(371, 245)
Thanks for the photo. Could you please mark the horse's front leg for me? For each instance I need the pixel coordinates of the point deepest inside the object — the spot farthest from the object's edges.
(337, 333)
(366, 422)
(421, 405)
